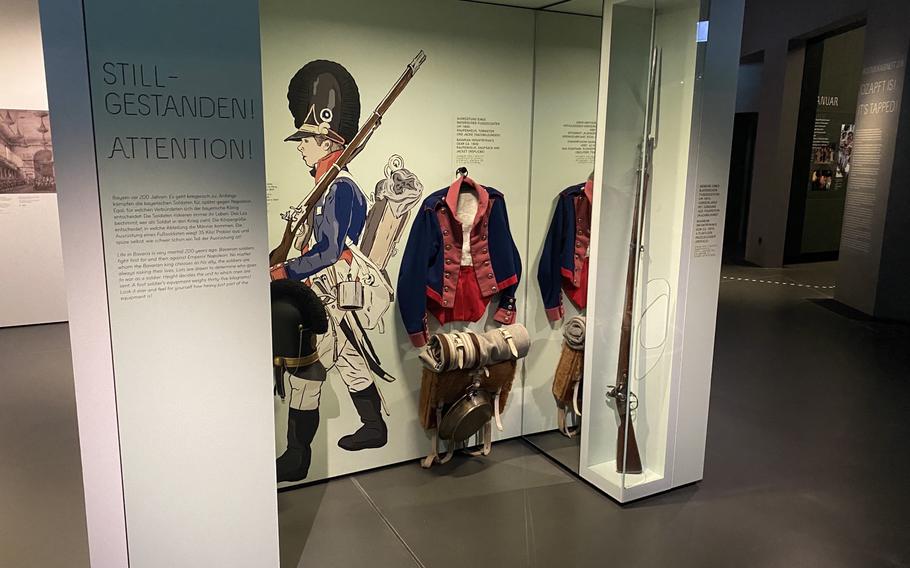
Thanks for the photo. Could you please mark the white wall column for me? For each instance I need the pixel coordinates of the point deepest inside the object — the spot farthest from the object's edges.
(169, 325)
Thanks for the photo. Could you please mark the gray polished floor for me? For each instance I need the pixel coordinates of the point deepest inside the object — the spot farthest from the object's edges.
(42, 512)
(561, 449)
(807, 464)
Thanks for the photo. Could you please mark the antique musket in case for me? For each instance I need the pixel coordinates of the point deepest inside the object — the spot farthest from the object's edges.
(628, 458)
(299, 215)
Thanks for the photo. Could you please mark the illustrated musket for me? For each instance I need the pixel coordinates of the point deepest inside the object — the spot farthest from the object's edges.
(298, 216)
(628, 458)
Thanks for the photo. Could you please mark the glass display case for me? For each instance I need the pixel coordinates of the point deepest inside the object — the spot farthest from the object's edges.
(656, 223)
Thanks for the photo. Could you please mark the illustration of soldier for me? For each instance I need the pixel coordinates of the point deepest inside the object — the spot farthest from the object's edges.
(343, 251)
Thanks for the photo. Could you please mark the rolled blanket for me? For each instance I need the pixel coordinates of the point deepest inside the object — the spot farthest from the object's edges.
(471, 350)
(470, 353)
(458, 350)
(506, 343)
(574, 333)
(569, 373)
(435, 356)
(400, 188)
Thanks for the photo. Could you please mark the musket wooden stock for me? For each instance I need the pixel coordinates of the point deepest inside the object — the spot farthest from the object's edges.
(628, 459)
(281, 252)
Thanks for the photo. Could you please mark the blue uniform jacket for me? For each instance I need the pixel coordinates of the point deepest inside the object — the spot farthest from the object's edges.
(564, 257)
(432, 258)
(340, 214)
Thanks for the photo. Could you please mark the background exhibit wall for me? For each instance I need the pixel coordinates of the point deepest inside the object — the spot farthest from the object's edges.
(31, 289)
(834, 114)
(480, 64)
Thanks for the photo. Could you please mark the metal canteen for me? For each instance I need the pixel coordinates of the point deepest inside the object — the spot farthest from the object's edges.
(467, 415)
(350, 294)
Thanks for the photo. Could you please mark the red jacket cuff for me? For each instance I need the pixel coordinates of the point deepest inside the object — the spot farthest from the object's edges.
(504, 316)
(419, 339)
(555, 314)
(278, 272)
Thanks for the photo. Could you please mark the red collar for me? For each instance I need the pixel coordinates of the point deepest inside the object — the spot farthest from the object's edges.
(483, 197)
(326, 163)
(589, 190)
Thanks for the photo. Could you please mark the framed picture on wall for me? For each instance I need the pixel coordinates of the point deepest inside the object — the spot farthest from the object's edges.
(26, 152)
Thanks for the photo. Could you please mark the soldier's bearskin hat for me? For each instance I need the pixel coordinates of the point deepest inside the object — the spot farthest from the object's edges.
(313, 316)
(324, 100)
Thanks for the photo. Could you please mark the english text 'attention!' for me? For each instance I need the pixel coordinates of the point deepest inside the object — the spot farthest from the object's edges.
(165, 148)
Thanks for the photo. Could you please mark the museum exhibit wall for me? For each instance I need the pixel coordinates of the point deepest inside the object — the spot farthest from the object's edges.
(567, 64)
(161, 169)
(478, 76)
(832, 120)
(529, 79)
(767, 32)
(32, 286)
(892, 284)
(873, 179)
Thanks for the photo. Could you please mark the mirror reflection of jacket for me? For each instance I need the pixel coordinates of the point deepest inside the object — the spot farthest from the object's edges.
(564, 260)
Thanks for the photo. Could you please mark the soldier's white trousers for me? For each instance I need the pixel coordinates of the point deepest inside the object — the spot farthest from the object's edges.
(350, 366)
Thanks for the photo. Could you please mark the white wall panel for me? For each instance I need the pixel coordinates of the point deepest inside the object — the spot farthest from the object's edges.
(31, 283)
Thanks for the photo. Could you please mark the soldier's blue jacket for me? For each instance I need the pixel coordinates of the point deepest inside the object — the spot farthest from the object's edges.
(564, 260)
(431, 263)
(340, 214)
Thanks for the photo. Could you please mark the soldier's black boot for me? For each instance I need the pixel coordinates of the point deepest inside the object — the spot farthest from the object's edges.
(373, 433)
(294, 463)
